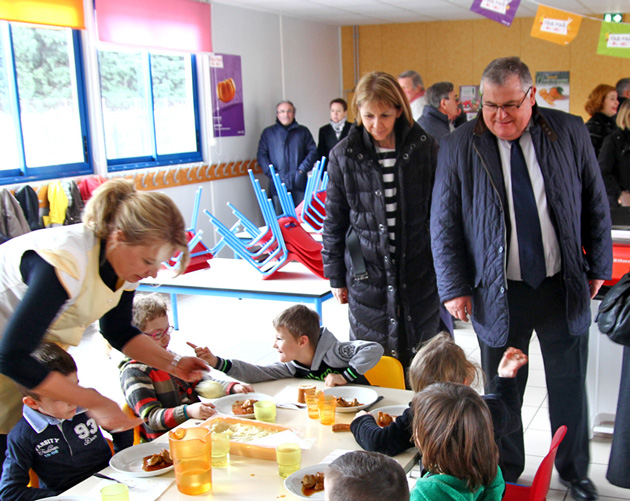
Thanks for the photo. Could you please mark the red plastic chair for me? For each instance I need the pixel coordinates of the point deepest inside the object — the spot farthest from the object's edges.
(540, 487)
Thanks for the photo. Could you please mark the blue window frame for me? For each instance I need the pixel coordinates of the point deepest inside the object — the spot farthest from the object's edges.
(43, 110)
(150, 108)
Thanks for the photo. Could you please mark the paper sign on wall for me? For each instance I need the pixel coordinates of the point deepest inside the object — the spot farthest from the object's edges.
(553, 89)
(501, 11)
(228, 118)
(614, 40)
(555, 25)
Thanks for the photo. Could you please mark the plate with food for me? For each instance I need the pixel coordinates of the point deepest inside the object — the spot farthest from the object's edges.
(240, 404)
(352, 398)
(307, 483)
(143, 460)
(385, 416)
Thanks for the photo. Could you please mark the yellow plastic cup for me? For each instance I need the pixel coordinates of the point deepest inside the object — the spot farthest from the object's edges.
(265, 410)
(327, 406)
(220, 449)
(115, 492)
(191, 451)
(289, 458)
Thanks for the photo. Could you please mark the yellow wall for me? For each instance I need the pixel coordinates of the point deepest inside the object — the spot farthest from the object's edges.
(458, 51)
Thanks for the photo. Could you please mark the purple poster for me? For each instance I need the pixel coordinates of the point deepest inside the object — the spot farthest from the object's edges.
(501, 11)
(227, 95)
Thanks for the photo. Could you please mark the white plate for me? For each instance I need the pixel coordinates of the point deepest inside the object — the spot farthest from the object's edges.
(293, 483)
(392, 410)
(223, 405)
(365, 396)
(129, 460)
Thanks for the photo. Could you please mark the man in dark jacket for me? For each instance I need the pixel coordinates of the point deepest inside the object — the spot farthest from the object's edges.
(521, 241)
(291, 149)
(441, 110)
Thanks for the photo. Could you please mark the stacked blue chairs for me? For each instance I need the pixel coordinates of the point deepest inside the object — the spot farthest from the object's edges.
(285, 198)
(313, 210)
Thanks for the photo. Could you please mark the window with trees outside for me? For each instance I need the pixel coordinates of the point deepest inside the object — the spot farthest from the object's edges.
(43, 124)
(150, 111)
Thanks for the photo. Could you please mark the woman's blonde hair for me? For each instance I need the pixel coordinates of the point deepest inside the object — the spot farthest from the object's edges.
(143, 217)
(440, 360)
(596, 98)
(452, 428)
(380, 87)
(623, 115)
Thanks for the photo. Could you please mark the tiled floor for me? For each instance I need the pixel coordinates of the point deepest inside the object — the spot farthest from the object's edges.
(242, 328)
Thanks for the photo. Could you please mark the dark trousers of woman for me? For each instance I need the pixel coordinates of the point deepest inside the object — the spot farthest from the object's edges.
(619, 465)
(564, 357)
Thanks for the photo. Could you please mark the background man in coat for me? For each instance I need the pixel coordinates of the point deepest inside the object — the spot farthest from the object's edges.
(411, 82)
(521, 242)
(291, 149)
(441, 110)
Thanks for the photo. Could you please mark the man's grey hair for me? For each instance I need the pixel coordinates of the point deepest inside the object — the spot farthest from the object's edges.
(437, 92)
(416, 79)
(504, 68)
(622, 86)
(286, 102)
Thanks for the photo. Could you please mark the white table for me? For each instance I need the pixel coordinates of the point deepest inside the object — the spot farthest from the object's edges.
(258, 479)
(236, 278)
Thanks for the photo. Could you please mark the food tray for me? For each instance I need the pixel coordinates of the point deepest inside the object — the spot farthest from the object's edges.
(243, 448)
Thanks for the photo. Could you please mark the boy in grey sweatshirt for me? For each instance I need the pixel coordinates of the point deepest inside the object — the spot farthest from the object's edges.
(306, 351)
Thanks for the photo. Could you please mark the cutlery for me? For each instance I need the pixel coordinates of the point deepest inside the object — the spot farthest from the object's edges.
(129, 484)
(379, 398)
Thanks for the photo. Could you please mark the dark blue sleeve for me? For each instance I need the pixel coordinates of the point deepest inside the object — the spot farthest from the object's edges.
(505, 407)
(28, 324)
(116, 325)
(390, 440)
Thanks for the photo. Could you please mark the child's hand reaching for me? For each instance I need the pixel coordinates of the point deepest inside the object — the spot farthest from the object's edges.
(242, 388)
(204, 353)
(200, 410)
(335, 380)
(513, 359)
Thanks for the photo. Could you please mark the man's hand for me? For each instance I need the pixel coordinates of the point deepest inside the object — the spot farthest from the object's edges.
(341, 294)
(204, 353)
(459, 307)
(335, 380)
(191, 369)
(594, 286)
(513, 359)
(200, 410)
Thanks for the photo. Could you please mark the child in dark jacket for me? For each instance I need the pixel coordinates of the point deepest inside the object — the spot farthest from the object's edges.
(306, 351)
(61, 443)
(441, 360)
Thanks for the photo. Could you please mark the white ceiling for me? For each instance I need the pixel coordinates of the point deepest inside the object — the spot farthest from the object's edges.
(351, 12)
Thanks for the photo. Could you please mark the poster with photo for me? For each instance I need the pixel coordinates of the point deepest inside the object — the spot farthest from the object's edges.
(470, 99)
(552, 89)
(228, 118)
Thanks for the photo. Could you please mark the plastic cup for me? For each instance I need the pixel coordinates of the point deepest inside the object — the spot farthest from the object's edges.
(289, 458)
(191, 450)
(115, 492)
(265, 410)
(313, 408)
(327, 406)
(220, 449)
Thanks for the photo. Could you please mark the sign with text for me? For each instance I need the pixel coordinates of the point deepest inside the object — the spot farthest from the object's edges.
(555, 25)
(614, 40)
(501, 11)
(228, 118)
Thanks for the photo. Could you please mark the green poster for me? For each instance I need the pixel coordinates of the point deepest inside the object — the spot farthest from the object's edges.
(614, 40)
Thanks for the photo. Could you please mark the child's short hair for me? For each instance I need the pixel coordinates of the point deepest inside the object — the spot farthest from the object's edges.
(147, 307)
(299, 320)
(54, 358)
(441, 360)
(452, 428)
(366, 476)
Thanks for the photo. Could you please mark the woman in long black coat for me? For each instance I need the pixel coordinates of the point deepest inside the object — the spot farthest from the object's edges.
(377, 252)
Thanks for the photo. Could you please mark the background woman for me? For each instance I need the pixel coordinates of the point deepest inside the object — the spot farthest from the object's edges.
(377, 251)
(54, 282)
(601, 106)
(333, 132)
(614, 160)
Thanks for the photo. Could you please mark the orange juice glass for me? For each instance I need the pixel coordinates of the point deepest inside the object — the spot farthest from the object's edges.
(191, 450)
(327, 406)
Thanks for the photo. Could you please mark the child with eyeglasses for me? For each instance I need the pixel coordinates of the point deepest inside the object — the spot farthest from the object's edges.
(161, 399)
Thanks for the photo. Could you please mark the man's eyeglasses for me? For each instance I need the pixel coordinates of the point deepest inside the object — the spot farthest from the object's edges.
(507, 108)
(157, 335)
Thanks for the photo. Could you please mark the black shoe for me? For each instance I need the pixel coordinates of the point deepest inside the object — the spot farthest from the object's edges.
(583, 489)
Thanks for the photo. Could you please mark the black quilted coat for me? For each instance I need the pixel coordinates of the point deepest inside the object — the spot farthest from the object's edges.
(397, 305)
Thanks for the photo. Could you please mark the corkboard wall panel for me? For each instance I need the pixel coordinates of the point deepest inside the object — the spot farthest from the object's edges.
(459, 51)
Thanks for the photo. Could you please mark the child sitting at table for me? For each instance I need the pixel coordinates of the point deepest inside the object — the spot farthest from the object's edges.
(306, 351)
(161, 399)
(452, 428)
(365, 476)
(59, 442)
(441, 360)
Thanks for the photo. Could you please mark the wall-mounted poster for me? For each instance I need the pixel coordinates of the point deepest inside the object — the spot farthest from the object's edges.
(470, 98)
(227, 95)
(553, 89)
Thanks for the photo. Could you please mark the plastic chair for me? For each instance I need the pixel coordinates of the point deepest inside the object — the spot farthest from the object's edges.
(388, 373)
(540, 487)
(136, 431)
